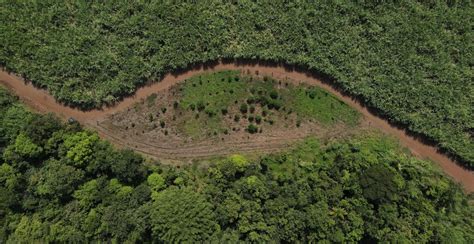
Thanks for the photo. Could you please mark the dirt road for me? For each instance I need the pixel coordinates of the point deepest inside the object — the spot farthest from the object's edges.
(43, 102)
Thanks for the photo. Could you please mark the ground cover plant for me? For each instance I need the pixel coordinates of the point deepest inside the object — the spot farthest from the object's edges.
(60, 183)
(410, 59)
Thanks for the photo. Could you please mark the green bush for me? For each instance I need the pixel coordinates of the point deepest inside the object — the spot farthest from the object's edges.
(236, 118)
(252, 129)
(243, 108)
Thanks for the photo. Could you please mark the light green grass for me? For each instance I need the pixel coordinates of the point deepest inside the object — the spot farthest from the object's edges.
(316, 103)
(216, 90)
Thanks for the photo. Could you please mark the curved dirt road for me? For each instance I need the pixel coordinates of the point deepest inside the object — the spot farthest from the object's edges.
(43, 102)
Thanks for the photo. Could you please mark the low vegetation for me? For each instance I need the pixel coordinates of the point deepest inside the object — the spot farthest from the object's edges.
(232, 95)
(228, 102)
(60, 183)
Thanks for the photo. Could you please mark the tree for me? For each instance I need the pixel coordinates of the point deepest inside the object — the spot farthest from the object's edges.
(378, 184)
(22, 149)
(42, 127)
(156, 182)
(14, 120)
(88, 194)
(128, 167)
(8, 176)
(28, 230)
(182, 215)
(79, 147)
(56, 179)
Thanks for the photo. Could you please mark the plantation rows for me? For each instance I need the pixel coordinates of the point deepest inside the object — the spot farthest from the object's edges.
(411, 61)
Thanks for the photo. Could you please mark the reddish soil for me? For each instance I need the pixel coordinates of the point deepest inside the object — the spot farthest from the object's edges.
(43, 102)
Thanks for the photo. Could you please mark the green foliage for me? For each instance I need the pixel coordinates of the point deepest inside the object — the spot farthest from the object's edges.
(79, 147)
(88, 194)
(408, 59)
(208, 91)
(23, 148)
(8, 176)
(323, 107)
(379, 184)
(252, 129)
(156, 181)
(182, 215)
(15, 119)
(211, 93)
(243, 108)
(128, 167)
(56, 180)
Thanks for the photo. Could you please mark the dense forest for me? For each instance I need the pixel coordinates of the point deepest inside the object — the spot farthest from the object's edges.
(60, 183)
(410, 60)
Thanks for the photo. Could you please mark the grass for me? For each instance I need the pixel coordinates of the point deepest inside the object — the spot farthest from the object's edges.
(150, 100)
(316, 103)
(202, 127)
(216, 90)
(206, 96)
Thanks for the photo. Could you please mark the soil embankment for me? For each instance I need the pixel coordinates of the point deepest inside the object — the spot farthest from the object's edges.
(43, 102)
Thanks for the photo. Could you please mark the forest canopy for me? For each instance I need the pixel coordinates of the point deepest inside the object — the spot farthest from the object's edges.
(61, 183)
(411, 60)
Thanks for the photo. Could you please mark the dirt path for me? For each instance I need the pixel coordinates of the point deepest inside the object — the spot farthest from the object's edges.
(43, 102)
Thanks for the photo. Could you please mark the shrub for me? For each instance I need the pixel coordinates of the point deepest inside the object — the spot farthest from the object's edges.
(252, 129)
(210, 112)
(274, 94)
(252, 109)
(224, 111)
(251, 100)
(243, 108)
(201, 106)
